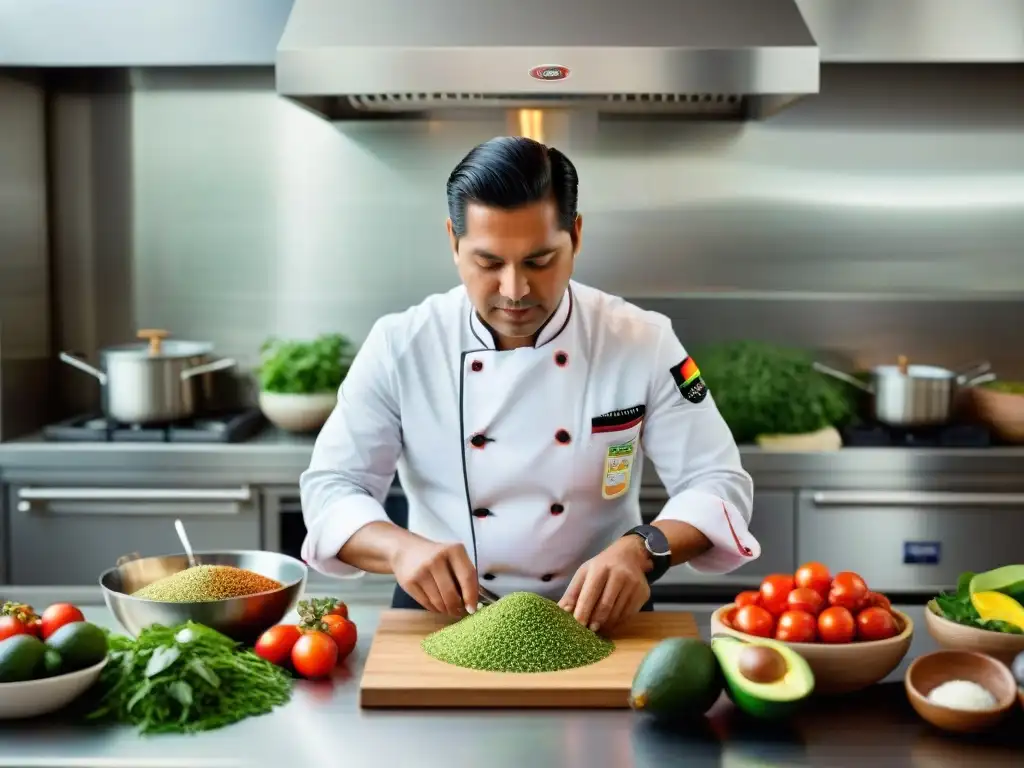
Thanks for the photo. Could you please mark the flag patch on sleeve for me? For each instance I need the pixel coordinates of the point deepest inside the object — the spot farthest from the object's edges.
(688, 379)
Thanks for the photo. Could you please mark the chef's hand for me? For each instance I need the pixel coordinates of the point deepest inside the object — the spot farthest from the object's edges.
(440, 577)
(611, 586)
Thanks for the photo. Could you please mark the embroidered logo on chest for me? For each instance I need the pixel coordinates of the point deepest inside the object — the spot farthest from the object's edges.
(688, 380)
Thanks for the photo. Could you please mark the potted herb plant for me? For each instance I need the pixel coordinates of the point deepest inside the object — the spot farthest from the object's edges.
(299, 380)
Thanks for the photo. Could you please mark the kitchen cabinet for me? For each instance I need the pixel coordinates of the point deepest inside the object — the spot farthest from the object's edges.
(773, 524)
(64, 535)
(910, 541)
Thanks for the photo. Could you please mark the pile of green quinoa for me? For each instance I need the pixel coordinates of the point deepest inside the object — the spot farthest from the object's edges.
(522, 632)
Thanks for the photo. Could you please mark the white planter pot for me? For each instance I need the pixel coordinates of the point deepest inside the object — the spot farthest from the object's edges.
(297, 413)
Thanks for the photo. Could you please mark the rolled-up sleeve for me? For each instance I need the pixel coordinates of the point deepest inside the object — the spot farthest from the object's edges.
(354, 458)
(698, 461)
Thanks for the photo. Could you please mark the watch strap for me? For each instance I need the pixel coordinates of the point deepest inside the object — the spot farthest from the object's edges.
(657, 547)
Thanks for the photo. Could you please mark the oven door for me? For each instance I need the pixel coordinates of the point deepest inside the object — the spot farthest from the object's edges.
(910, 541)
(773, 523)
(285, 529)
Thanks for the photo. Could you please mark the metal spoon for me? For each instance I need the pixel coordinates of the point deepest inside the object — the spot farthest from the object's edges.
(180, 528)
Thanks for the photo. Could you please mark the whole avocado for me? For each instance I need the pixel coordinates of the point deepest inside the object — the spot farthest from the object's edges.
(21, 658)
(1018, 669)
(678, 678)
(80, 645)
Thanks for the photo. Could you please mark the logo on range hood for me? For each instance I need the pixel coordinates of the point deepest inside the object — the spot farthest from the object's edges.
(549, 73)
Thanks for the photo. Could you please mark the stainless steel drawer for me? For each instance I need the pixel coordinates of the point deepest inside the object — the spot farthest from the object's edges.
(910, 541)
(64, 535)
(773, 523)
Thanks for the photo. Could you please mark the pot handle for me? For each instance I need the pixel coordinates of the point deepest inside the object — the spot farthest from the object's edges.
(83, 366)
(853, 381)
(971, 371)
(217, 365)
(983, 378)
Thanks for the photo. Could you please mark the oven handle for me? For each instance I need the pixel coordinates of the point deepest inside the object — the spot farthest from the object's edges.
(237, 495)
(915, 499)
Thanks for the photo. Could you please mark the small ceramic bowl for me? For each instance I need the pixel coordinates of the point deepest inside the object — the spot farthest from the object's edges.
(842, 668)
(931, 670)
(32, 698)
(958, 637)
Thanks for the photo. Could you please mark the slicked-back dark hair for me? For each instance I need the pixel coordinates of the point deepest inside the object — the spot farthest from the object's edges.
(508, 172)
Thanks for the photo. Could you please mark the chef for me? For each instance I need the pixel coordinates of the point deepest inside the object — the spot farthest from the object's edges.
(518, 410)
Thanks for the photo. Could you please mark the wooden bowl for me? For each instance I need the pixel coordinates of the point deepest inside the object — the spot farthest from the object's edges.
(842, 668)
(928, 671)
(957, 637)
(1002, 412)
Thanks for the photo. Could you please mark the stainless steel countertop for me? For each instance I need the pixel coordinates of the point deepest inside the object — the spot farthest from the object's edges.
(323, 723)
(277, 458)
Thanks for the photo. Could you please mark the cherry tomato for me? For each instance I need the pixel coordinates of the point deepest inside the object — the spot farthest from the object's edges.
(774, 591)
(796, 627)
(754, 620)
(875, 624)
(878, 600)
(748, 598)
(57, 615)
(814, 576)
(343, 633)
(339, 609)
(314, 654)
(729, 618)
(836, 625)
(275, 645)
(805, 599)
(11, 626)
(848, 591)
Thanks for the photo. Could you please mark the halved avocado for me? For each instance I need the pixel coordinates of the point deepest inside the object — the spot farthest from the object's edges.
(763, 677)
(678, 678)
(1009, 579)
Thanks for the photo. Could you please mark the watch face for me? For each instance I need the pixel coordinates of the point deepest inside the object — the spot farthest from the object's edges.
(657, 543)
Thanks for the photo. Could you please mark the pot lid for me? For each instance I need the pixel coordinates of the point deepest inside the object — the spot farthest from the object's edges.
(157, 346)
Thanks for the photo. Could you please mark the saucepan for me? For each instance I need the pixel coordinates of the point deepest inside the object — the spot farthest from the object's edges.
(905, 395)
(154, 382)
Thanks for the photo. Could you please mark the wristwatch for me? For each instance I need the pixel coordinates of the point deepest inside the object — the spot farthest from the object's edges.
(657, 547)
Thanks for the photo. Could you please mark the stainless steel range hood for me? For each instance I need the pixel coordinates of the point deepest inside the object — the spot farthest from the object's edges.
(390, 58)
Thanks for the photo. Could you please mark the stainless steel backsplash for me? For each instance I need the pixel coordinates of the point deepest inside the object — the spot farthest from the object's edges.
(885, 215)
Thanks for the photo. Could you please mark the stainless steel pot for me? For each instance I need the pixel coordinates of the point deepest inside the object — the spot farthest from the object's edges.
(913, 395)
(154, 382)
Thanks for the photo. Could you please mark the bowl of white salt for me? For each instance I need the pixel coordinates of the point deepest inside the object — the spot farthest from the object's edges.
(960, 691)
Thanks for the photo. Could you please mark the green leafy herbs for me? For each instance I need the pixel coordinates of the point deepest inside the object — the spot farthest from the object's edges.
(957, 606)
(185, 679)
(305, 367)
(762, 389)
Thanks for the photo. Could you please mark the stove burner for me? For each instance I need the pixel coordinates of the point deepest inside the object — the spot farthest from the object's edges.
(234, 427)
(945, 436)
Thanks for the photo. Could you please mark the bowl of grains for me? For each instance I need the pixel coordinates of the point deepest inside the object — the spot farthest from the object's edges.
(238, 593)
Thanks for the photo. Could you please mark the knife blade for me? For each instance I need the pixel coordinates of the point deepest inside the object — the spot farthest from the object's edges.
(486, 597)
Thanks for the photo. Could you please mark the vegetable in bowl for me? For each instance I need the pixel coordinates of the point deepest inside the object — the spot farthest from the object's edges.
(959, 607)
(298, 367)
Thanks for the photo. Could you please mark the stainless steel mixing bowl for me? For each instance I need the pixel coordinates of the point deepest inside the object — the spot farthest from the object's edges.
(241, 618)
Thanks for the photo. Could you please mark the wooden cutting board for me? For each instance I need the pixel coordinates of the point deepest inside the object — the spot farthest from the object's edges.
(399, 674)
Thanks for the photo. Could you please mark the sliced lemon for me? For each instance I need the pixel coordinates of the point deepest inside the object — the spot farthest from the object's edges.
(995, 606)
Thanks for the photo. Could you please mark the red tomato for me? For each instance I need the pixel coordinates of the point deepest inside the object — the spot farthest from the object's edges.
(796, 627)
(836, 625)
(314, 654)
(875, 624)
(848, 591)
(754, 620)
(11, 626)
(805, 599)
(57, 615)
(775, 590)
(814, 576)
(342, 632)
(878, 600)
(748, 598)
(339, 609)
(275, 645)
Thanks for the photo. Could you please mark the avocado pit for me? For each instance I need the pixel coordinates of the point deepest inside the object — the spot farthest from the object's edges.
(761, 664)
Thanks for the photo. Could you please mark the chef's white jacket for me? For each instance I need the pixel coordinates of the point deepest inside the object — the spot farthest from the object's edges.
(530, 457)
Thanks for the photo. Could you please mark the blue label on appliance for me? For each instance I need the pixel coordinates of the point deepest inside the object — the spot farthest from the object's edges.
(922, 552)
